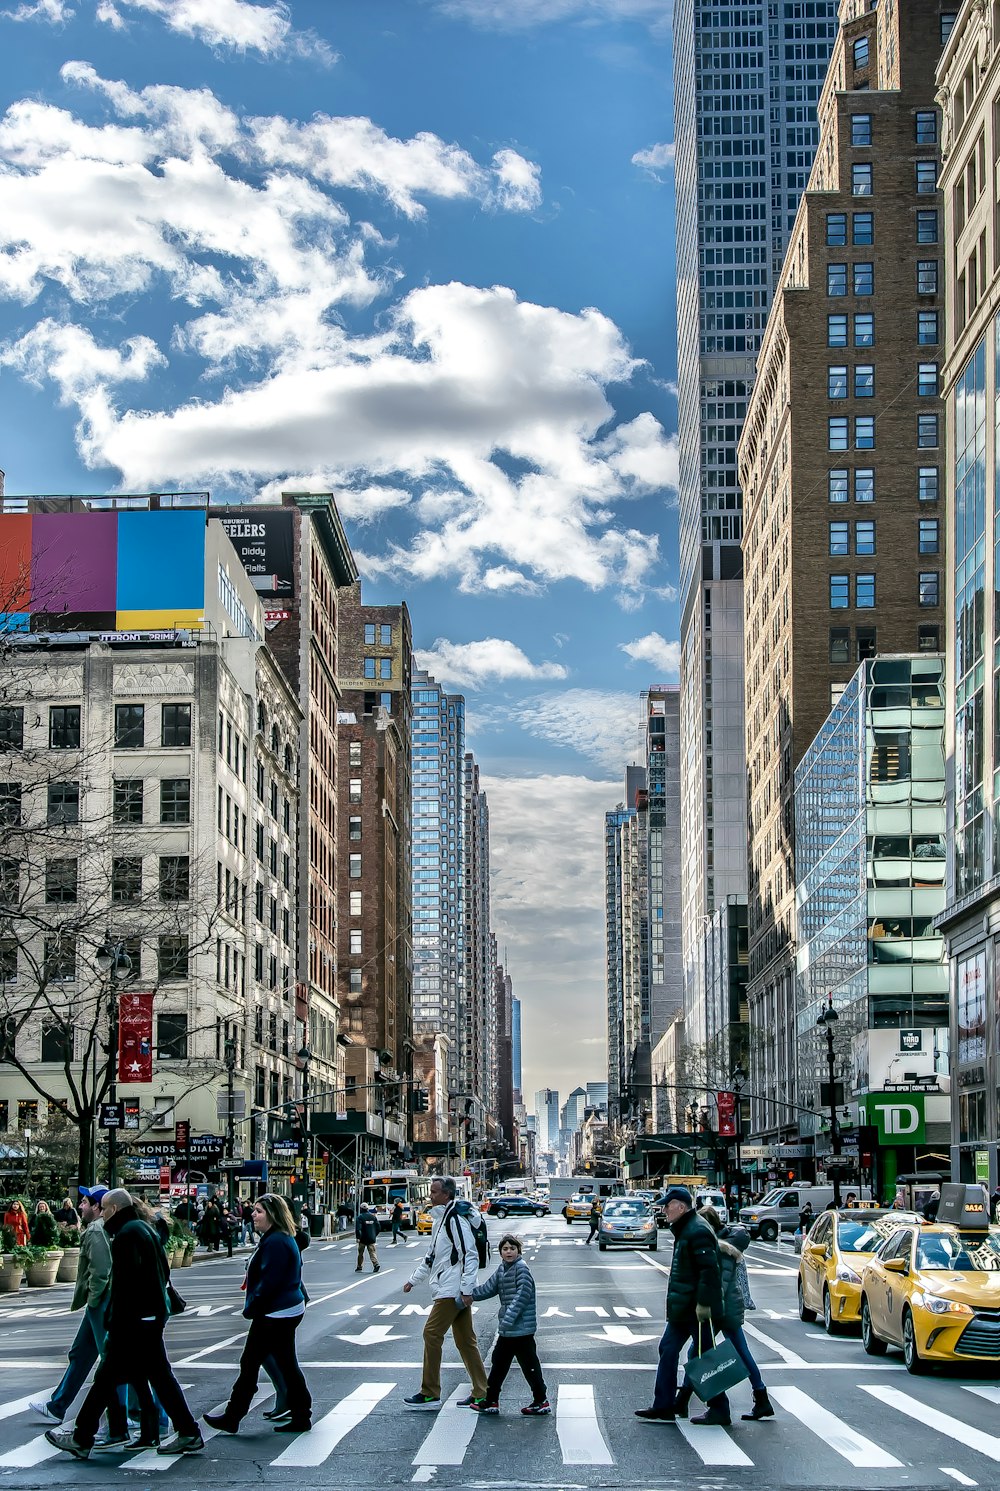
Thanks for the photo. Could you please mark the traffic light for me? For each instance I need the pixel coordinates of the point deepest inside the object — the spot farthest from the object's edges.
(421, 1100)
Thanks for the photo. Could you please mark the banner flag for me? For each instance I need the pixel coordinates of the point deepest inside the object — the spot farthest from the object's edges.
(135, 1038)
(726, 1107)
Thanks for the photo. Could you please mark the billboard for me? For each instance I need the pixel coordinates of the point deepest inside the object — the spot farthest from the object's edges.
(135, 1038)
(265, 542)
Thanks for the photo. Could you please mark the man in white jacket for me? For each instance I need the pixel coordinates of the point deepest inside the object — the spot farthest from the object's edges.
(450, 1265)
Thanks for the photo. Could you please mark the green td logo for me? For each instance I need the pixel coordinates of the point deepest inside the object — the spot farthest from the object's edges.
(899, 1116)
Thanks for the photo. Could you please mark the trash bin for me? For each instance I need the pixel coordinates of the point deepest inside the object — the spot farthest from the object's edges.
(315, 1225)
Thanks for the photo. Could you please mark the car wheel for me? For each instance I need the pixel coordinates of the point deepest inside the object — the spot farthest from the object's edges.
(602, 1247)
(769, 1231)
(569, 1221)
(653, 1246)
(911, 1356)
(873, 1344)
(500, 1212)
(829, 1324)
(804, 1312)
(539, 1211)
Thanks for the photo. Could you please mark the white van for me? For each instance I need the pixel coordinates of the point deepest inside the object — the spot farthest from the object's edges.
(715, 1199)
(779, 1210)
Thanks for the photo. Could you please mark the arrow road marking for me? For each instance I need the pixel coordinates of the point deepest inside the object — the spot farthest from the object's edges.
(372, 1335)
(620, 1335)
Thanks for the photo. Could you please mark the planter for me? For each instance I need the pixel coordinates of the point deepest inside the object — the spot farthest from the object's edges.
(11, 1274)
(69, 1266)
(186, 1258)
(40, 1275)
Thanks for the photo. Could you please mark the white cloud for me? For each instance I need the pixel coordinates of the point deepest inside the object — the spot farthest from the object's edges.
(655, 650)
(644, 455)
(512, 15)
(473, 664)
(656, 159)
(234, 24)
(55, 12)
(601, 725)
(72, 359)
(547, 902)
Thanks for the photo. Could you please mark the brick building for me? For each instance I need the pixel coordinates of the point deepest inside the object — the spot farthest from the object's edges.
(840, 461)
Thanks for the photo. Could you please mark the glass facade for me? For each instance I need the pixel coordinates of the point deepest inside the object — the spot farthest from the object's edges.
(871, 859)
(970, 597)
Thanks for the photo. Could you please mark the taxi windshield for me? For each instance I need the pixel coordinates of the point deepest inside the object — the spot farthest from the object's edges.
(980, 1254)
(859, 1237)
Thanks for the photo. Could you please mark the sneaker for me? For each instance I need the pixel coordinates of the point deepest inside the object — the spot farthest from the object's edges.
(480, 1405)
(359, 1269)
(277, 1415)
(220, 1422)
(138, 1443)
(66, 1440)
(469, 1402)
(536, 1410)
(421, 1400)
(110, 1443)
(378, 1268)
(654, 1416)
(39, 1406)
(182, 1444)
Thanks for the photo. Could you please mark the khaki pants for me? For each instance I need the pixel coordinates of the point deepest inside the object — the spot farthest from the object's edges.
(370, 1247)
(446, 1313)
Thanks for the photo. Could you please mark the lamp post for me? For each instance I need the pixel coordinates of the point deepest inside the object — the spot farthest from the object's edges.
(305, 1057)
(739, 1078)
(827, 1022)
(114, 964)
(230, 1071)
(27, 1162)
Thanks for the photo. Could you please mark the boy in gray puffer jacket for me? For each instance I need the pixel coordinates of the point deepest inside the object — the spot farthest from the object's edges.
(513, 1282)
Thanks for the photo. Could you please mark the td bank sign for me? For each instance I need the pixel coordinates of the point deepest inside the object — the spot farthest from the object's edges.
(899, 1116)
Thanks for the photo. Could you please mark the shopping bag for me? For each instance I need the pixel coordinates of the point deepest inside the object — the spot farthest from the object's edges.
(716, 1370)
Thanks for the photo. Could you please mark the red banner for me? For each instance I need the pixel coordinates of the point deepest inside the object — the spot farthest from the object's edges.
(135, 1038)
(725, 1103)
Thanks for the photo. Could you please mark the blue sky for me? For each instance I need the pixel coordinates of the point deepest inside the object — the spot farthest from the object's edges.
(418, 252)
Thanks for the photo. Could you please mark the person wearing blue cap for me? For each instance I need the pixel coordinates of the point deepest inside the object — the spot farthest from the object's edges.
(93, 1285)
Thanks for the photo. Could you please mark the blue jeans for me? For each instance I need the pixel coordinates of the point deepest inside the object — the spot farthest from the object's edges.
(88, 1344)
(739, 1340)
(672, 1343)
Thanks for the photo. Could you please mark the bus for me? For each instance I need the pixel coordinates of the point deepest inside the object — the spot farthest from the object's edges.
(383, 1188)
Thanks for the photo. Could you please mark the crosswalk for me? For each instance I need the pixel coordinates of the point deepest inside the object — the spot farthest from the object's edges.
(593, 1426)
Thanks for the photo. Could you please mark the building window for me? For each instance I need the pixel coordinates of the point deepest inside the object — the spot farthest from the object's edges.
(863, 278)
(838, 432)
(64, 727)
(925, 127)
(130, 727)
(60, 959)
(354, 789)
(840, 592)
(863, 229)
(840, 644)
(175, 877)
(859, 51)
(369, 634)
(57, 1041)
(355, 981)
(864, 381)
(385, 635)
(836, 331)
(928, 639)
(861, 129)
(60, 881)
(10, 881)
(864, 432)
(928, 541)
(927, 431)
(928, 483)
(127, 803)
(836, 383)
(12, 726)
(126, 878)
(354, 753)
(172, 1036)
(10, 804)
(929, 587)
(926, 173)
(356, 942)
(836, 279)
(172, 956)
(927, 328)
(864, 536)
(840, 538)
(354, 908)
(369, 667)
(354, 866)
(948, 18)
(864, 637)
(927, 379)
(927, 276)
(861, 178)
(175, 800)
(864, 329)
(385, 667)
(175, 725)
(354, 828)
(864, 592)
(836, 230)
(927, 225)
(8, 963)
(837, 490)
(864, 484)
(63, 802)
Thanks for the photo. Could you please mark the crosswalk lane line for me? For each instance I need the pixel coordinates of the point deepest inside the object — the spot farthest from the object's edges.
(861, 1452)
(973, 1439)
(712, 1444)
(35, 1452)
(150, 1460)
(991, 1394)
(451, 1435)
(18, 1405)
(313, 1448)
(580, 1436)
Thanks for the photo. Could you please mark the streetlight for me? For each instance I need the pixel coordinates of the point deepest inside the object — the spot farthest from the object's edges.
(114, 964)
(27, 1162)
(305, 1057)
(230, 1071)
(827, 1022)
(738, 1078)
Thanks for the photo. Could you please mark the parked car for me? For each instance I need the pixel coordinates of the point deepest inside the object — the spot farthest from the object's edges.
(518, 1206)
(627, 1222)
(834, 1254)
(425, 1222)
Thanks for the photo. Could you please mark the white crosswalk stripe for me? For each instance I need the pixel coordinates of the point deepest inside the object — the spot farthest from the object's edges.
(933, 1418)
(580, 1436)
(861, 1452)
(451, 1435)
(712, 1444)
(150, 1460)
(312, 1449)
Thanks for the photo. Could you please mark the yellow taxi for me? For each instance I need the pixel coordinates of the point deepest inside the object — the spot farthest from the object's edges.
(425, 1221)
(577, 1209)
(935, 1292)
(834, 1252)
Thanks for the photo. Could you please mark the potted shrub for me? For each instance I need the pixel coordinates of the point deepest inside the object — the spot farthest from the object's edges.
(11, 1269)
(70, 1242)
(185, 1248)
(44, 1265)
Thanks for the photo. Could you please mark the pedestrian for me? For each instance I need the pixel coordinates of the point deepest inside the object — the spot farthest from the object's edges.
(210, 1227)
(594, 1218)
(366, 1232)
(396, 1221)
(16, 1218)
(450, 1266)
(90, 1294)
(44, 1227)
(806, 1218)
(995, 1205)
(138, 1309)
(852, 1199)
(67, 1215)
(274, 1305)
(229, 1225)
(516, 1327)
(736, 1300)
(930, 1209)
(281, 1410)
(246, 1216)
(694, 1300)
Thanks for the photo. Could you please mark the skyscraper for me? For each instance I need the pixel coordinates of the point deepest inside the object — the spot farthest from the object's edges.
(478, 1078)
(547, 1119)
(745, 132)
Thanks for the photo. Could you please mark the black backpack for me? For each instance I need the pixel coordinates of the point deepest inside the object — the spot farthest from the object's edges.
(478, 1224)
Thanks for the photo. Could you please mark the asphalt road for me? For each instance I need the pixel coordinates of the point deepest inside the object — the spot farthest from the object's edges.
(843, 1420)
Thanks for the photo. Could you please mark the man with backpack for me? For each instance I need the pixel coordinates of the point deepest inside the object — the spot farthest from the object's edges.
(366, 1231)
(457, 1251)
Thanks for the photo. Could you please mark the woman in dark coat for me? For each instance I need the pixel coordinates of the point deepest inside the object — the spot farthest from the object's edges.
(275, 1304)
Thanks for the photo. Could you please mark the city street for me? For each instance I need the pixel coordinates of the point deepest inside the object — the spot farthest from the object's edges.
(843, 1420)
